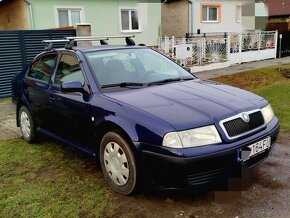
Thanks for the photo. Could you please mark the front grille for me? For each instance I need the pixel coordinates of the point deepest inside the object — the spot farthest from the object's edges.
(238, 126)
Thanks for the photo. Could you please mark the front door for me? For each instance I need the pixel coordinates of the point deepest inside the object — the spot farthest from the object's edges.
(71, 111)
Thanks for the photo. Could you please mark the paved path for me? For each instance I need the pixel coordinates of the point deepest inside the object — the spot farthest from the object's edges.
(242, 67)
(8, 129)
(6, 107)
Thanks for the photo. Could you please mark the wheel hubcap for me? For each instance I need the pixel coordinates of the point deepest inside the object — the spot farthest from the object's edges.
(116, 163)
(25, 124)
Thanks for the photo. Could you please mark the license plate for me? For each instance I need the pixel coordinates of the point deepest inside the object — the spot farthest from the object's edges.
(255, 149)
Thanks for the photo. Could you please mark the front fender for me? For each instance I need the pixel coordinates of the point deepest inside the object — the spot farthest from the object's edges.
(137, 124)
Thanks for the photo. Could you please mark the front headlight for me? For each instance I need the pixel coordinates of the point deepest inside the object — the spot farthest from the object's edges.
(268, 113)
(192, 138)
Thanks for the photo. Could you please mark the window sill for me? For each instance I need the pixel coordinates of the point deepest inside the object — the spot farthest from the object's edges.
(131, 31)
(214, 21)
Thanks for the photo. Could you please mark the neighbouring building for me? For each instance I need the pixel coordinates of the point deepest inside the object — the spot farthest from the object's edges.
(279, 15)
(107, 17)
(181, 17)
(278, 9)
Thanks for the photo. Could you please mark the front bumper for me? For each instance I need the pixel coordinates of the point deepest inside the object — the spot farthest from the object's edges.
(201, 165)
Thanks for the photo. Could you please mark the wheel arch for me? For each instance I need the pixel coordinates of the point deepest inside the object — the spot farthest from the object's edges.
(20, 102)
(108, 126)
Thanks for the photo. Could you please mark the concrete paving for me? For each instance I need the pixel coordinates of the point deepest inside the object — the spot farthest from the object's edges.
(242, 67)
(6, 107)
(8, 129)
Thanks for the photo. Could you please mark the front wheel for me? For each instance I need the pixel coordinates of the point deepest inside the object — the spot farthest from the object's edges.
(26, 124)
(118, 163)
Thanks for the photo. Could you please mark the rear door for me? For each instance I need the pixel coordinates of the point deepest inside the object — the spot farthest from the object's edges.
(36, 84)
(70, 112)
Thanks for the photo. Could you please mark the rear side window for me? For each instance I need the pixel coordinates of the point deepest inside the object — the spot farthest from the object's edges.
(41, 69)
(69, 70)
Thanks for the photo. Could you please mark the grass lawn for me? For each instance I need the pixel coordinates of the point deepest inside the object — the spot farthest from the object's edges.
(48, 180)
(268, 83)
(51, 180)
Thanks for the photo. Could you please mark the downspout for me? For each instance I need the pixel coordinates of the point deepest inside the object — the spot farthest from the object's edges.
(190, 12)
(30, 13)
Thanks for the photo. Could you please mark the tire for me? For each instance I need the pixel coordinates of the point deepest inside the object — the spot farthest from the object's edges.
(118, 163)
(27, 125)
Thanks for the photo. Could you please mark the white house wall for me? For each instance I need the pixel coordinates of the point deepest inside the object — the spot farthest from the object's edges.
(228, 13)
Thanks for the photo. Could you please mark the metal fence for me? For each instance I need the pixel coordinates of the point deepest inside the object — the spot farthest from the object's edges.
(17, 48)
(191, 52)
(218, 48)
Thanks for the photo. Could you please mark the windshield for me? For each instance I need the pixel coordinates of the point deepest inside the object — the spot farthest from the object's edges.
(134, 67)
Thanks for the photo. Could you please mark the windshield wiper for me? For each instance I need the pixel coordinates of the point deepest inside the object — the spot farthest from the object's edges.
(169, 81)
(122, 85)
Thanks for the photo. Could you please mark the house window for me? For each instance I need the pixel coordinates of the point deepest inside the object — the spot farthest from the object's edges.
(129, 20)
(238, 13)
(69, 17)
(210, 13)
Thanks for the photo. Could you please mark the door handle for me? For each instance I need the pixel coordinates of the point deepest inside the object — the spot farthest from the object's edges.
(51, 99)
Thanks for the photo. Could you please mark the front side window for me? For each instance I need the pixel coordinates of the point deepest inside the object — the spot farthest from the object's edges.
(41, 69)
(129, 20)
(134, 66)
(210, 13)
(69, 70)
(69, 17)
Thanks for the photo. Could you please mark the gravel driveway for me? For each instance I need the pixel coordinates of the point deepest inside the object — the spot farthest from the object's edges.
(8, 129)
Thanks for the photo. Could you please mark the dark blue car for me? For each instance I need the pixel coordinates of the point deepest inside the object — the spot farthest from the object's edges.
(142, 116)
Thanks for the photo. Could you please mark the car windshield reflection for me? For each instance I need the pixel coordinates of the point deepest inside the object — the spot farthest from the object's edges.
(134, 68)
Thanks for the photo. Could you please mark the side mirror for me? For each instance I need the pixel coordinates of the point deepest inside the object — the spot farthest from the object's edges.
(187, 69)
(75, 86)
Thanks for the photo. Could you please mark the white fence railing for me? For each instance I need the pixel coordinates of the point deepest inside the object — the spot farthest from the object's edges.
(235, 48)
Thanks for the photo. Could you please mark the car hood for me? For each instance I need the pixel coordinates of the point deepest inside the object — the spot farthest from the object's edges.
(190, 104)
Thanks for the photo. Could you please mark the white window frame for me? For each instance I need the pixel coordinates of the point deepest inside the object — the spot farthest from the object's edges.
(207, 13)
(69, 9)
(240, 14)
(130, 20)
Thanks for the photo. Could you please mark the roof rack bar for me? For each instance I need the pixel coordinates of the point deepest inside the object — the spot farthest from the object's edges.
(70, 41)
(87, 39)
(56, 40)
(77, 38)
